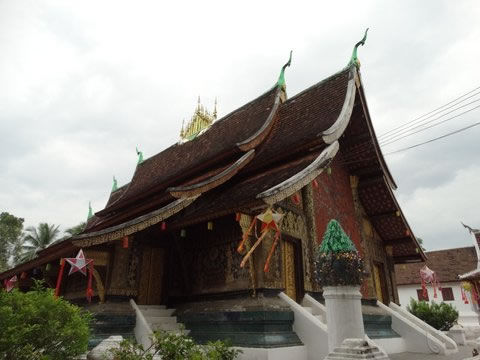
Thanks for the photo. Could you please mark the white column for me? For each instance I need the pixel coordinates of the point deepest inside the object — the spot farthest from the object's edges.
(344, 314)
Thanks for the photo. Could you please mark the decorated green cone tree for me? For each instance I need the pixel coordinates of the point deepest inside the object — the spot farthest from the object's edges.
(337, 260)
(339, 270)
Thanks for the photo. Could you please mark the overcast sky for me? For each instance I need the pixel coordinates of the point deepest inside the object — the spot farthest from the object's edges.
(83, 83)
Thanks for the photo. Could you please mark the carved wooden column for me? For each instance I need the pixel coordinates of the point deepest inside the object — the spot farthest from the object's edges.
(245, 222)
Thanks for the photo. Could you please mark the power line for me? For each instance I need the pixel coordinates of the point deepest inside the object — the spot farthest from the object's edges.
(434, 139)
(422, 116)
(422, 122)
(367, 147)
(391, 141)
(351, 161)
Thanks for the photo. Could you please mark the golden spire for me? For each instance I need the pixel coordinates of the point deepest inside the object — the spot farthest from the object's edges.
(215, 109)
(182, 132)
(200, 121)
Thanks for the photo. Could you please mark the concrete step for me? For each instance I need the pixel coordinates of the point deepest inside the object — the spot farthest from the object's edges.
(165, 326)
(98, 338)
(391, 345)
(267, 340)
(308, 309)
(146, 307)
(157, 312)
(161, 319)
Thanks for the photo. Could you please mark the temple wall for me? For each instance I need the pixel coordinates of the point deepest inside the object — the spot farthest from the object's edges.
(208, 262)
(336, 197)
(123, 279)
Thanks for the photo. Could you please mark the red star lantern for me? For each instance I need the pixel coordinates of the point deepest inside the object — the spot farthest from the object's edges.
(10, 283)
(79, 263)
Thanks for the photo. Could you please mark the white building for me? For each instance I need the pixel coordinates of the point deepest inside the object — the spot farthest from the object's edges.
(449, 265)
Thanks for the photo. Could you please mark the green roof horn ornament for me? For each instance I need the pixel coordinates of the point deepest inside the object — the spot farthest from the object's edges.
(90, 211)
(354, 60)
(140, 156)
(115, 185)
(281, 78)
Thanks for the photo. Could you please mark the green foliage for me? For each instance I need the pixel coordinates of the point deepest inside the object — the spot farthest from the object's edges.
(77, 229)
(128, 350)
(174, 346)
(36, 325)
(440, 316)
(220, 350)
(10, 238)
(38, 239)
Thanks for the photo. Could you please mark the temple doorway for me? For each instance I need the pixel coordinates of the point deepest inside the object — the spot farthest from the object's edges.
(380, 283)
(292, 268)
(151, 276)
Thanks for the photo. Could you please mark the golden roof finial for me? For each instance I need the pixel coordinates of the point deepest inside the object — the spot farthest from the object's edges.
(182, 132)
(200, 121)
(215, 109)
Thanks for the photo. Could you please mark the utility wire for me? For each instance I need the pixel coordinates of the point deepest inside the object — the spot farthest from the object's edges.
(434, 139)
(385, 138)
(345, 161)
(416, 126)
(393, 140)
(367, 147)
(434, 110)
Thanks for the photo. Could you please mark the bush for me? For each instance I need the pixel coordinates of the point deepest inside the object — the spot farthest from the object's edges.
(128, 350)
(174, 346)
(440, 316)
(36, 325)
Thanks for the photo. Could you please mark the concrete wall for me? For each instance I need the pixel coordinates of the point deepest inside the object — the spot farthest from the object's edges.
(468, 313)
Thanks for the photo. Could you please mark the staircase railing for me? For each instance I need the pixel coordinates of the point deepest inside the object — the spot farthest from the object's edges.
(309, 329)
(419, 336)
(449, 342)
(317, 307)
(143, 332)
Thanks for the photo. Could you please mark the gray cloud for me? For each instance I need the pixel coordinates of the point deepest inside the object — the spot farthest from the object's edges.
(84, 85)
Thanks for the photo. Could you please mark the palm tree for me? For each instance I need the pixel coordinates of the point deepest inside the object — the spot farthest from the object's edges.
(37, 239)
(74, 230)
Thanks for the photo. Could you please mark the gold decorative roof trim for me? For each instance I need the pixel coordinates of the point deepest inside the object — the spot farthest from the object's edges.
(296, 182)
(214, 181)
(130, 227)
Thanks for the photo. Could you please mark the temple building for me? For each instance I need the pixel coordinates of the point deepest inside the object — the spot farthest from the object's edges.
(171, 235)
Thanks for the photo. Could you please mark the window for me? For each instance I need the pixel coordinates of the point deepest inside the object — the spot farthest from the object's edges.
(447, 294)
(420, 295)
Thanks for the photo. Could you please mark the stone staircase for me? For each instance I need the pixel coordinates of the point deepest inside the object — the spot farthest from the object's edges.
(379, 326)
(159, 317)
(108, 324)
(252, 329)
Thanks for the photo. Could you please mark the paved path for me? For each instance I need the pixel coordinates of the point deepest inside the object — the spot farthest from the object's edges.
(464, 352)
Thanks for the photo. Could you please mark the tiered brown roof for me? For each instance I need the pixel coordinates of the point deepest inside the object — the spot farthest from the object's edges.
(279, 136)
(253, 149)
(448, 264)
